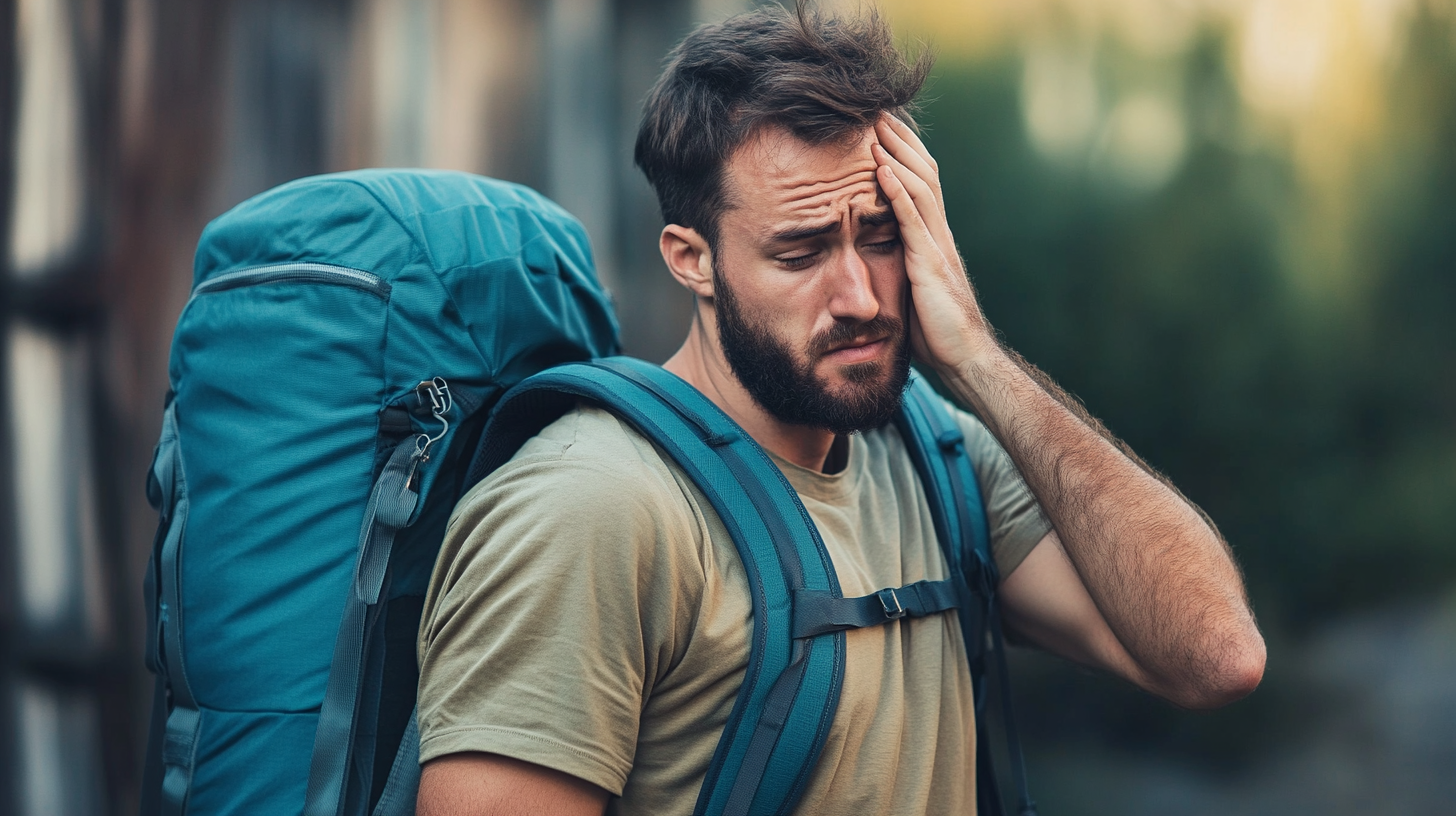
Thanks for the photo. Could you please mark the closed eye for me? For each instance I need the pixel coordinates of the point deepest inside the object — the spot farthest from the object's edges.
(886, 246)
(798, 261)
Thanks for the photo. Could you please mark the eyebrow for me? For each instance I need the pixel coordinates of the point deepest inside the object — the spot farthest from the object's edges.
(871, 219)
(877, 219)
(791, 235)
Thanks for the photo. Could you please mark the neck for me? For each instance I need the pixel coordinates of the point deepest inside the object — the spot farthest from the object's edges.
(700, 361)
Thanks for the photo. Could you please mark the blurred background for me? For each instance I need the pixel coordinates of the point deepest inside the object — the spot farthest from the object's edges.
(1229, 226)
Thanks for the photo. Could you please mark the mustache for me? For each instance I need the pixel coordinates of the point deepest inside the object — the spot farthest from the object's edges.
(845, 332)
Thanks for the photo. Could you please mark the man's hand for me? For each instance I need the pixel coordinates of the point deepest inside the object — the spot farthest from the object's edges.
(1147, 589)
(947, 327)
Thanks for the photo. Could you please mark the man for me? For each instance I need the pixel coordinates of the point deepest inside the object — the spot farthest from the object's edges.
(587, 626)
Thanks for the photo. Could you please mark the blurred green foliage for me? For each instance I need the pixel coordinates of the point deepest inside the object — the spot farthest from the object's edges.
(1318, 431)
(1309, 409)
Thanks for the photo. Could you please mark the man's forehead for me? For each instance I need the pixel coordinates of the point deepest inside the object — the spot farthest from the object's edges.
(785, 179)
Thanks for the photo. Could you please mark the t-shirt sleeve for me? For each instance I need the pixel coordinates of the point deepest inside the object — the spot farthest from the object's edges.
(1016, 520)
(559, 599)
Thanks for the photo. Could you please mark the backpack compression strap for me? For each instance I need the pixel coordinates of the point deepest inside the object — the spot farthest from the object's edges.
(177, 755)
(391, 502)
(937, 447)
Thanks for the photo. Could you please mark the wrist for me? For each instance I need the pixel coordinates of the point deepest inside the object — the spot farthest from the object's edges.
(985, 369)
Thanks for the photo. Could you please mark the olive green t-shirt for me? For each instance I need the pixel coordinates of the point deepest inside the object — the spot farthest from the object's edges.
(590, 613)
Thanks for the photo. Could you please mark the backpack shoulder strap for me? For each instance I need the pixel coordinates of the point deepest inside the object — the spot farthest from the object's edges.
(937, 447)
(790, 690)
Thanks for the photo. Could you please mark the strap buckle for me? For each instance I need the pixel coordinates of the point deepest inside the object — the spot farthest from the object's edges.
(891, 602)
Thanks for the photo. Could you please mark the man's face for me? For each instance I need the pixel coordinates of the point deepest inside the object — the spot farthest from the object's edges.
(810, 283)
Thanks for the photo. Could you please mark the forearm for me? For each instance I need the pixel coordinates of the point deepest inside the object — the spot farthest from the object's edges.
(1157, 570)
(1158, 573)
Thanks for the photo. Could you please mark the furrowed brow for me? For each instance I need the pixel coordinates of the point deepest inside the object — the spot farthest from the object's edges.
(792, 235)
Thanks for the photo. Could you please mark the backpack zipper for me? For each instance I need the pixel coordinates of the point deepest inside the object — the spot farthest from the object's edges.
(299, 272)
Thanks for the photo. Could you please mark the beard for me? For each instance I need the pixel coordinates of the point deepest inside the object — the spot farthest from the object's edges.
(789, 389)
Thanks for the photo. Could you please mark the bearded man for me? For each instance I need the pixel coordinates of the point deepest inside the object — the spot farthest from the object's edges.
(587, 626)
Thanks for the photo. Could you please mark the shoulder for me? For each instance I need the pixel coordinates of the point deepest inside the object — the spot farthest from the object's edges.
(992, 464)
(586, 504)
(589, 459)
(567, 584)
(1017, 523)
(588, 496)
(981, 444)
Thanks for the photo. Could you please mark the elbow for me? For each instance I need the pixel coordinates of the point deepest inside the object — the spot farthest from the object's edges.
(1230, 676)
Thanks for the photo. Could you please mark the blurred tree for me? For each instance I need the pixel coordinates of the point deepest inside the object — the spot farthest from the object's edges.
(1320, 438)
(1319, 432)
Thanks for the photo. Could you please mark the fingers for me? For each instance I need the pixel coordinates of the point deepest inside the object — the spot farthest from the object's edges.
(946, 321)
(914, 232)
(922, 194)
(910, 137)
(905, 146)
(942, 303)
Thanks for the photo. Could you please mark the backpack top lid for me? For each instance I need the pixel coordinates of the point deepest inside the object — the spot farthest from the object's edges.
(491, 281)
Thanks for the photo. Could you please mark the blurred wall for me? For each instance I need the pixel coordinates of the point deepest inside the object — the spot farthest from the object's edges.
(125, 125)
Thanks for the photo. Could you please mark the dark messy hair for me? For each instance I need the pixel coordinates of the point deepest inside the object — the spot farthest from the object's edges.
(823, 78)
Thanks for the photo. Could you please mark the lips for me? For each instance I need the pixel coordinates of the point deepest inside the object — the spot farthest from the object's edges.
(857, 351)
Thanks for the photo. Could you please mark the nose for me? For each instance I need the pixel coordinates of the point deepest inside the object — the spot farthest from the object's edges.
(852, 293)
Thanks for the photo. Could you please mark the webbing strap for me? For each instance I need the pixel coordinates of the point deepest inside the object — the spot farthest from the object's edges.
(179, 757)
(184, 721)
(1025, 806)
(817, 613)
(390, 504)
(152, 765)
(766, 731)
(403, 785)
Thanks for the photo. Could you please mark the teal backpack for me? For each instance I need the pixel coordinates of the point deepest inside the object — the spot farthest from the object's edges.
(359, 350)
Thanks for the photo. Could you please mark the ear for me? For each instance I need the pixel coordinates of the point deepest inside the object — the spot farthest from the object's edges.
(688, 258)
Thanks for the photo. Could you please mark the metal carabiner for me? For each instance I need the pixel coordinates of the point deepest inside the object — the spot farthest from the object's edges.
(440, 404)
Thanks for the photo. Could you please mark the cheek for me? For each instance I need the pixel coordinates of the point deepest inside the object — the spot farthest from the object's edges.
(780, 306)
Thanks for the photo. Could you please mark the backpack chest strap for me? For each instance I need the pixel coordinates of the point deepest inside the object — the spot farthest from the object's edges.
(817, 612)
